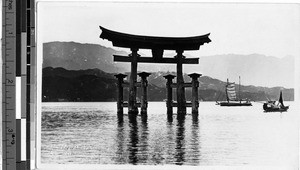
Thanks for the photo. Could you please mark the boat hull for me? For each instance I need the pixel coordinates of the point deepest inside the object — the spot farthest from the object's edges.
(235, 104)
(275, 109)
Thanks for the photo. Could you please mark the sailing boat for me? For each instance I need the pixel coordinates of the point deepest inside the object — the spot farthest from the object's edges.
(274, 106)
(231, 96)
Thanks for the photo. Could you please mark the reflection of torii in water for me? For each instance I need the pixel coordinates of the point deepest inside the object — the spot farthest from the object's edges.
(157, 45)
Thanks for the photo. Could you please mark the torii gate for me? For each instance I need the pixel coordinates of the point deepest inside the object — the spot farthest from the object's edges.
(157, 45)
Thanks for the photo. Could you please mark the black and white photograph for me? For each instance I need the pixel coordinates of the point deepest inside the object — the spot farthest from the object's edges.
(167, 85)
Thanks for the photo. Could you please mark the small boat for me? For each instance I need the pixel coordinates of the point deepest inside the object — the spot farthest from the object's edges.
(231, 96)
(275, 106)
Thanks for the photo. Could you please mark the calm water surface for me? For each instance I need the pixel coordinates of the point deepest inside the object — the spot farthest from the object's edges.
(91, 133)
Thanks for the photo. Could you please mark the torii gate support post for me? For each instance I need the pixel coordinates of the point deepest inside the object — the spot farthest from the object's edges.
(144, 85)
(132, 106)
(169, 78)
(195, 85)
(120, 83)
(181, 108)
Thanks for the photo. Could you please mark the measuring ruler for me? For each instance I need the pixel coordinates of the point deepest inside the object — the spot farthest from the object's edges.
(9, 85)
(18, 45)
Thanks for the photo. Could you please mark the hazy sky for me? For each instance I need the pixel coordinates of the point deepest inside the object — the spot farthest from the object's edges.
(270, 29)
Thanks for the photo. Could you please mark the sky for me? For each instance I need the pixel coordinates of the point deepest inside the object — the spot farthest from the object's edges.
(239, 28)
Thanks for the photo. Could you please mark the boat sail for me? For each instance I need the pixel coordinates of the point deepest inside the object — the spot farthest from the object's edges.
(231, 96)
(273, 106)
(230, 91)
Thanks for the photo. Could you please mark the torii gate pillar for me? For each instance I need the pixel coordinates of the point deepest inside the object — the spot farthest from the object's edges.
(132, 106)
(181, 108)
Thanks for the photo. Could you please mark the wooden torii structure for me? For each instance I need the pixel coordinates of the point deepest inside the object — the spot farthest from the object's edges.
(157, 45)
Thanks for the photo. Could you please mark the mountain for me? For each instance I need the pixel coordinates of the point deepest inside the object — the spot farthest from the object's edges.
(88, 85)
(76, 56)
(61, 72)
(59, 84)
(254, 69)
(206, 83)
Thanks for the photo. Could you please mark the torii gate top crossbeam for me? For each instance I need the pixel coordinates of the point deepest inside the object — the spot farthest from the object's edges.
(149, 42)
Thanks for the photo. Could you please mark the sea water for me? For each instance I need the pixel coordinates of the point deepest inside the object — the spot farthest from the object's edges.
(91, 133)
